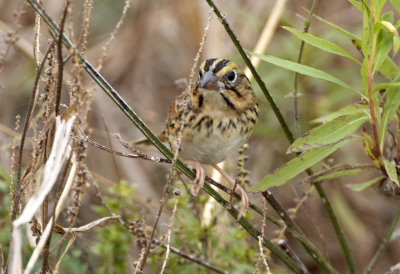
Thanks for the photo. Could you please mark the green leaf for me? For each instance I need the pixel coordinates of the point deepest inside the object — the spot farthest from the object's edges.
(396, 44)
(339, 29)
(367, 31)
(305, 70)
(338, 174)
(383, 46)
(368, 184)
(391, 170)
(388, 68)
(379, 7)
(390, 108)
(396, 5)
(329, 133)
(357, 4)
(321, 44)
(347, 110)
(296, 166)
(387, 85)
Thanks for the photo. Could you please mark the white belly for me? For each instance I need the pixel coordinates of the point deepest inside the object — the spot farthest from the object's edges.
(213, 149)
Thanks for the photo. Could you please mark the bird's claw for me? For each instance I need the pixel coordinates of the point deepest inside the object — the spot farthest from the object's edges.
(198, 181)
(244, 201)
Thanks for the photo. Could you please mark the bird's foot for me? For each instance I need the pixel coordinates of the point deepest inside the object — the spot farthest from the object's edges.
(198, 182)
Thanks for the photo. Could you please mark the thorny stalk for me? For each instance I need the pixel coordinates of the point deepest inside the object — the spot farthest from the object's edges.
(12, 36)
(36, 49)
(112, 36)
(261, 255)
(87, 12)
(171, 222)
(162, 204)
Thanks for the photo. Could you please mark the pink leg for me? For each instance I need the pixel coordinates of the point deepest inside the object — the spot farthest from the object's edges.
(198, 182)
(239, 190)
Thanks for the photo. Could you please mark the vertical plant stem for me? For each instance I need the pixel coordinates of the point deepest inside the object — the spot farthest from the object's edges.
(60, 60)
(307, 24)
(384, 241)
(336, 226)
(370, 77)
(296, 231)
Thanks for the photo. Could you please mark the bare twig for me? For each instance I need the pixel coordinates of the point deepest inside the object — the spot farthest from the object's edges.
(162, 202)
(87, 227)
(261, 255)
(171, 222)
(112, 36)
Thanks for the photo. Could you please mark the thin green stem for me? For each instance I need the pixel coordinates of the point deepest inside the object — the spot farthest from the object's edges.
(131, 114)
(336, 226)
(296, 232)
(384, 242)
(307, 25)
(257, 77)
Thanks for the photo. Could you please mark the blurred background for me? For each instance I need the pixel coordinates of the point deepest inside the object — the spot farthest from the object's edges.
(152, 51)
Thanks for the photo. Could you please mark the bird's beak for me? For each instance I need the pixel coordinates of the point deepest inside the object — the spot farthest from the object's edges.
(210, 81)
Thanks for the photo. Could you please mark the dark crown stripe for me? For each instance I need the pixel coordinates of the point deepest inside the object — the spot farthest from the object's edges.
(220, 65)
(208, 64)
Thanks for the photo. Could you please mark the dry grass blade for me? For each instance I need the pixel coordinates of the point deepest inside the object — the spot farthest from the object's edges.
(57, 158)
(267, 33)
(171, 222)
(36, 253)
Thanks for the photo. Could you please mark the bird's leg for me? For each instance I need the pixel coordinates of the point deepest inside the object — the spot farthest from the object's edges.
(238, 189)
(198, 182)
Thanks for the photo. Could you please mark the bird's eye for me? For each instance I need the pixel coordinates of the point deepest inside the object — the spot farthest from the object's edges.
(231, 75)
